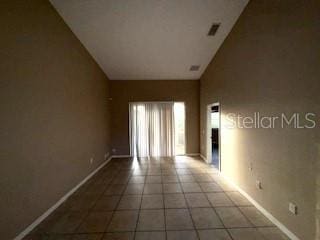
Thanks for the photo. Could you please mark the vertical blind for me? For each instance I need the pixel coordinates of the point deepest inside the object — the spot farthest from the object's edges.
(152, 129)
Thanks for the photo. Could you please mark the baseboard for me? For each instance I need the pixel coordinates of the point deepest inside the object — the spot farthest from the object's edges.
(57, 204)
(192, 154)
(121, 156)
(268, 215)
(187, 154)
(203, 158)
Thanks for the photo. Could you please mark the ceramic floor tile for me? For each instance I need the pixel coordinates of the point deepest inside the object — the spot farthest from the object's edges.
(210, 187)
(224, 185)
(47, 224)
(151, 220)
(154, 172)
(67, 223)
(172, 188)
(128, 202)
(37, 237)
(197, 200)
(120, 180)
(272, 233)
(191, 187)
(150, 236)
(174, 201)
(123, 221)
(95, 222)
(168, 172)
(196, 171)
(154, 179)
(119, 236)
(152, 201)
(153, 188)
(200, 178)
(215, 234)
(205, 218)
(178, 219)
(183, 171)
(182, 235)
(186, 178)
(134, 189)
(232, 217)
(115, 189)
(106, 203)
(86, 236)
(59, 237)
(255, 217)
(137, 179)
(246, 234)
(219, 199)
(159, 187)
(139, 172)
(238, 199)
(96, 189)
(83, 202)
(170, 179)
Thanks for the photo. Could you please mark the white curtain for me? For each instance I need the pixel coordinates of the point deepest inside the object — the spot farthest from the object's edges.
(152, 129)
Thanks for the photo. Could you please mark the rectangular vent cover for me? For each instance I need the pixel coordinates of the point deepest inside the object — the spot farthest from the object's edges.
(194, 67)
(214, 28)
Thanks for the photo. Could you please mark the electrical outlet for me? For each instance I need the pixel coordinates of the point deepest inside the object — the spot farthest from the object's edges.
(293, 208)
(258, 184)
(114, 150)
(106, 155)
(91, 160)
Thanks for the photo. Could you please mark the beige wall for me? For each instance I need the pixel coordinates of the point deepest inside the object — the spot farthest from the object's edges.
(271, 63)
(123, 92)
(54, 113)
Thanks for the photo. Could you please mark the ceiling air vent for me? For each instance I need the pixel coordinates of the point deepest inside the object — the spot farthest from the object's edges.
(214, 28)
(194, 67)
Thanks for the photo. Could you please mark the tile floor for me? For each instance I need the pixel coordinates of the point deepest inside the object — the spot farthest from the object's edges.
(158, 198)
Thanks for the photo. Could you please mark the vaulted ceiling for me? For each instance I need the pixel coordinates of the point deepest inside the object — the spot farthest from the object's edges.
(150, 39)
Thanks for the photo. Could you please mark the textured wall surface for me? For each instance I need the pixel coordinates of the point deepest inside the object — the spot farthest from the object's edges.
(54, 112)
(270, 64)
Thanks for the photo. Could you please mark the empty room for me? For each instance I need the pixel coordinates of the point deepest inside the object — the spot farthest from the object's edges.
(160, 120)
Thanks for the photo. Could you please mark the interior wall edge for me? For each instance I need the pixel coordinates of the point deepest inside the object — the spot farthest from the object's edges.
(265, 212)
(59, 202)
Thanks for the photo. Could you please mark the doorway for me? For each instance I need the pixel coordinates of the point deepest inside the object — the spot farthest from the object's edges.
(213, 135)
(157, 129)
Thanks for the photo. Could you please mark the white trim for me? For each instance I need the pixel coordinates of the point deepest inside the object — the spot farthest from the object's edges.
(268, 215)
(152, 102)
(203, 158)
(121, 156)
(58, 203)
(190, 154)
(165, 79)
(208, 134)
(187, 154)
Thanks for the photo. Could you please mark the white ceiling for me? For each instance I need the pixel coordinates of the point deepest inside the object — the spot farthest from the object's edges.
(150, 39)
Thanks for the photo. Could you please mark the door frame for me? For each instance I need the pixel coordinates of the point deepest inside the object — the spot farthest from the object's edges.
(208, 134)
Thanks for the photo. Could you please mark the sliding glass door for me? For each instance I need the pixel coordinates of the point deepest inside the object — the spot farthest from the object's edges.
(157, 129)
(179, 128)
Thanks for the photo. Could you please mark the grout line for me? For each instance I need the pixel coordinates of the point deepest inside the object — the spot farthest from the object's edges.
(214, 209)
(44, 216)
(115, 209)
(139, 211)
(129, 174)
(190, 214)
(164, 210)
